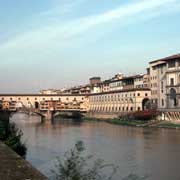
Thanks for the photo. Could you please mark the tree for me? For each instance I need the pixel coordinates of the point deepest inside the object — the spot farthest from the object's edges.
(77, 167)
(11, 135)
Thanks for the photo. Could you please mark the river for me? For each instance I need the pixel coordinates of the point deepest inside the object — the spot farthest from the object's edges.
(154, 153)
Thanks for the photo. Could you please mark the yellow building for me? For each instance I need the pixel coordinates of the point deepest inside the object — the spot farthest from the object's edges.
(122, 101)
(5, 105)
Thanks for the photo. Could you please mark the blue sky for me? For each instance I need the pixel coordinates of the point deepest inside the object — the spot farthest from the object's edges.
(61, 43)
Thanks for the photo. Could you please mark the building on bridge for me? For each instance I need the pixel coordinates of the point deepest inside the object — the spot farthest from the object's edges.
(42, 102)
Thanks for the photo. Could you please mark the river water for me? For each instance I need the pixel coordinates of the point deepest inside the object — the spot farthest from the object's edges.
(154, 153)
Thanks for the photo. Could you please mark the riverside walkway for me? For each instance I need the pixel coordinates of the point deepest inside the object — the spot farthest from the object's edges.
(12, 166)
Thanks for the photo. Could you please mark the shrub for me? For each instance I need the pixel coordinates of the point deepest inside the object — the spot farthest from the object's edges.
(76, 167)
(11, 135)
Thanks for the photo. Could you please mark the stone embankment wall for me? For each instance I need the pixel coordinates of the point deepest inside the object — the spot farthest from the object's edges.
(97, 115)
(12, 166)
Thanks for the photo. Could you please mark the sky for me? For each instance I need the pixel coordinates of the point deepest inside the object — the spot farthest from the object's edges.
(61, 43)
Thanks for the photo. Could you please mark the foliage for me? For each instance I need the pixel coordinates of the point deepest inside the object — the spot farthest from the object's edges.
(126, 122)
(140, 115)
(77, 167)
(146, 115)
(11, 135)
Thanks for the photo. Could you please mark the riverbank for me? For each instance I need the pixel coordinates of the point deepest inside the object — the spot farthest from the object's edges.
(117, 121)
(138, 123)
(12, 166)
(169, 125)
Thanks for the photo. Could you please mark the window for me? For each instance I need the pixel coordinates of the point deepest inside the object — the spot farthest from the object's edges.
(138, 94)
(172, 81)
(162, 86)
(172, 64)
(161, 70)
(162, 102)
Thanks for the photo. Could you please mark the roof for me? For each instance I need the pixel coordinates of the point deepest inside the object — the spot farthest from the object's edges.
(41, 95)
(176, 56)
(95, 78)
(128, 77)
(120, 91)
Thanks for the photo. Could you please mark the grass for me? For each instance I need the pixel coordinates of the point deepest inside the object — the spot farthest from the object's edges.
(127, 122)
(135, 123)
(169, 125)
(118, 121)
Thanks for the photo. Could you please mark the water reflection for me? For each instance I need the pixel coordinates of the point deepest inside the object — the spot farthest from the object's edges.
(153, 152)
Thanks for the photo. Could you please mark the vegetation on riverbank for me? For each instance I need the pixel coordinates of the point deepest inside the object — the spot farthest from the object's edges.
(128, 122)
(122, 122)
(11, 135)
(75, 166)
(137, 123)
(168, 124)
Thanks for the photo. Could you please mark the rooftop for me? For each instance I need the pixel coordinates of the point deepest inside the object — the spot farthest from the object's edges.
(176, 56)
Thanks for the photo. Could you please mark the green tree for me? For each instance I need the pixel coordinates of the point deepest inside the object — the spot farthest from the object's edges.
(11, 135)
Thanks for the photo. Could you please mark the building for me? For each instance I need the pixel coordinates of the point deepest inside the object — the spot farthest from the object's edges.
(146, 79)
(8, 105)
(139, 81)
(105, 86)
(5, 105)
(48, 91)
(40, 101)
(122, 101)
(94, 80)
(165, 83)
(86, 89)
(128, 82)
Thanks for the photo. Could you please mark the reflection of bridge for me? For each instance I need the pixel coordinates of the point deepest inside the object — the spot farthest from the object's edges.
(49, 114)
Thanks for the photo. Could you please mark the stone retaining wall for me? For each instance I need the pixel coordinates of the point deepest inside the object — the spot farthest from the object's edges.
(13, 167)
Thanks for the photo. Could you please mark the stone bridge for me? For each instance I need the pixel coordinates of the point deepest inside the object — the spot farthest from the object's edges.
(44, 105)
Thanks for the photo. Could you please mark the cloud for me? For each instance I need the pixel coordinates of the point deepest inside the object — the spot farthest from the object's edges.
(58, 35)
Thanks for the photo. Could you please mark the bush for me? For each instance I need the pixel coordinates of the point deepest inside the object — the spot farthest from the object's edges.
(76, 167)
(145, 115)
(11, 135)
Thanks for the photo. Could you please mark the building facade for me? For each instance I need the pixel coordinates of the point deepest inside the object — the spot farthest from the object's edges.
(123, 101)
(39, 101)
(165, 83)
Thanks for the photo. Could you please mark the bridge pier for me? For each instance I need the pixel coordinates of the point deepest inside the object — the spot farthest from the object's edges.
(49, 115)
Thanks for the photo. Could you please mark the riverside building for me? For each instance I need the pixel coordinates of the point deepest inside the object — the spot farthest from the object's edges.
(117, 102)
(165, 86)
